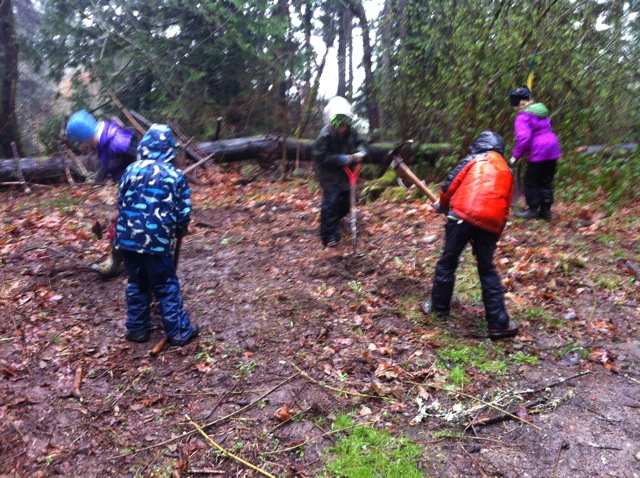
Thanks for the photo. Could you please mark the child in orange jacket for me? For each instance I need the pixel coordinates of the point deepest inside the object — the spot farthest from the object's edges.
(475, 197)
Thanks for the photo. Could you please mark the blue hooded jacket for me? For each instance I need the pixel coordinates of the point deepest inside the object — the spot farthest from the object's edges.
(154, 199)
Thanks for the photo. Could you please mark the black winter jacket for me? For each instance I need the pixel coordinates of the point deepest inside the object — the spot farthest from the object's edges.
(329, 156)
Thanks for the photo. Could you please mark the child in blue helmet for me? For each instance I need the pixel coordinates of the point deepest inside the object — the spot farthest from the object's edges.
(116, 148)
(154, 202)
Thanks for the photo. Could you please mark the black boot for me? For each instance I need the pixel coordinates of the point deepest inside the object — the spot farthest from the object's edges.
(440, 299)
(545, 212)
(531, 213)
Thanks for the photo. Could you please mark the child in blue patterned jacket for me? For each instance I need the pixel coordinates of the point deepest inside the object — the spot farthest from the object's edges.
(155, 207)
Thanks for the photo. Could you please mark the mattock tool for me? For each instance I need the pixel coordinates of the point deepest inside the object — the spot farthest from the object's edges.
(395, 159)
(353, 177)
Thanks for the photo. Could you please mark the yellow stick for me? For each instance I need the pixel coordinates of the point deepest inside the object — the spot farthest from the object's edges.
(226, 452)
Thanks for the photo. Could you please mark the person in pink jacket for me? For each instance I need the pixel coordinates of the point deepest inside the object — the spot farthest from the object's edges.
(538, 143)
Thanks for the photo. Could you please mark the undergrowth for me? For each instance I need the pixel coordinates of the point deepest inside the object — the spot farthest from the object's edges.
(367, 452)
(614, 173)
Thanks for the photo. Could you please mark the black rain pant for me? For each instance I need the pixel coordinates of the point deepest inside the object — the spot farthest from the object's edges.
(483, 243)
(335, 205)
(538, 183)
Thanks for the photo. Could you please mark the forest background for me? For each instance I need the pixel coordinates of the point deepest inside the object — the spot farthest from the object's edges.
(436, 72)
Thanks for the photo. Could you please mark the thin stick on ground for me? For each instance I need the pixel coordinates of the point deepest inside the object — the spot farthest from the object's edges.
(554, 384)
(225, 451)
(501, 416)
(310, 440)
(338, 390)
(215, 422)
(252, 403)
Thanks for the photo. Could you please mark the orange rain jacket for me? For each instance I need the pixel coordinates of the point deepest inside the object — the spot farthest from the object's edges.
(479, 189)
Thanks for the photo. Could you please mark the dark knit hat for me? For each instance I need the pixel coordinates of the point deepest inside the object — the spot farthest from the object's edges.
(519, 94)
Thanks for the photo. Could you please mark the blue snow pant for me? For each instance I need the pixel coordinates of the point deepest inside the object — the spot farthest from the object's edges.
(483, 243)
(152, 274)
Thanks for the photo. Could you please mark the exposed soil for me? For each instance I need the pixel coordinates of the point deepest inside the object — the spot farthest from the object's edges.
(272, 303)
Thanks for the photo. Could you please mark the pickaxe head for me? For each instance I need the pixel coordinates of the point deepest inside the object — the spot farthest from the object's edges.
(396, 154)
(395, 159)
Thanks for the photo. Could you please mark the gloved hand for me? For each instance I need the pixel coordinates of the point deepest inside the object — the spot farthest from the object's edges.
(114, 215)
(513, 160)
(438, 209)
(355, 158)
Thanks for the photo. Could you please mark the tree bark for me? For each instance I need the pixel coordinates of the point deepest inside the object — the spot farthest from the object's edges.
(8, 81)
(342, 55)
(367, 61)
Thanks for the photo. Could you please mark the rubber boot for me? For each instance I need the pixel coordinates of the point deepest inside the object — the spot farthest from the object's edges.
(440, 304)
(545, 212)
(110, 267)
(531, 213)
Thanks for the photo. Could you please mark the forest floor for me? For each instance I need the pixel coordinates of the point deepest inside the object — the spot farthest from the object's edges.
(292, 335)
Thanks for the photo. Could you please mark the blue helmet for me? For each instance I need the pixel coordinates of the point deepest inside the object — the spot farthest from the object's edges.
(81, 127)
(158, 144)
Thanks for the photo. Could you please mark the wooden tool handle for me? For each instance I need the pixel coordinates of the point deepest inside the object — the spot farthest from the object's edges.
(414, 179)
(159, 346)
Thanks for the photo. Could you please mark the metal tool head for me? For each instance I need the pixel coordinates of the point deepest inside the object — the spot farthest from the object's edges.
(401, 151)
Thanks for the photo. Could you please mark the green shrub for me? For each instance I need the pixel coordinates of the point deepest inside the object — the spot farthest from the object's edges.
(612, 172)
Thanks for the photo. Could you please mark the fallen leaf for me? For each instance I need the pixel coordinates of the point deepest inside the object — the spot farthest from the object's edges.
(523, 413)
(283, 413)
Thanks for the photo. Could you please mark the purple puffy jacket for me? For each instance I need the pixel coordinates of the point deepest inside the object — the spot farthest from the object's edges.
(117, 149)
(533, 135)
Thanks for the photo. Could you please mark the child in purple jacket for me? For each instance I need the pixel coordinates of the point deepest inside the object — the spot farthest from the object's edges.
(534, 138)
(116, 148)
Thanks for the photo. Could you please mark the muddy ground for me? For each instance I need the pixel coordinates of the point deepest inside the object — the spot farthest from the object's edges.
(292, 330)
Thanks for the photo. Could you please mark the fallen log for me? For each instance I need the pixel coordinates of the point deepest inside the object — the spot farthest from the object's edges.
(44, 170)
(264, 149)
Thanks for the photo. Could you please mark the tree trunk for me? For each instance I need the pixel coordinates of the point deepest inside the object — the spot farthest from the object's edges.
(369, 87)
(8, 81)
(342, 55)
(264, 149)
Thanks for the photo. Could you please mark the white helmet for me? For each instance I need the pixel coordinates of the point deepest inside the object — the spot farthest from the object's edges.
(337, 106)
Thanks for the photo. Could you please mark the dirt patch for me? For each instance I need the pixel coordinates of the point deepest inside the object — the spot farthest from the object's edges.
(286, 323)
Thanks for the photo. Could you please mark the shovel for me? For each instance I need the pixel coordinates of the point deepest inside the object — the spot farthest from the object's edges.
(353, 176)
(518, 188)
